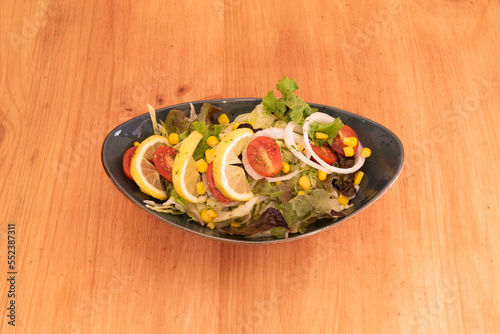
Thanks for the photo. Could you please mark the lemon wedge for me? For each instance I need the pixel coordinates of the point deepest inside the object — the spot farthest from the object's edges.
(185, 174)
(144, 172)
(231, 180)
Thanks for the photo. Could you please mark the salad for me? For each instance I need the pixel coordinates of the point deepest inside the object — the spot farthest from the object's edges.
(269, 172)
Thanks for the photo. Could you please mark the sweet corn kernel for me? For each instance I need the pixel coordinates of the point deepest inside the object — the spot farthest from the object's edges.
(300, 147)
(320, 135)
(358, 177)
(366, 152)
(321, 175)
(252, 124)
(201, 165)
(343, 200)
(205, 216)
(173, 138)
(285, 167)
(301, 193)
(211, 225)
(223, 119)
(212, 141)
(200, 188)
(278, 182)
(137, 143)
(350, 141)
(212, 213)
(236, 125)
(209, 155)
(233, 224)
(348, 151)
(304, 182)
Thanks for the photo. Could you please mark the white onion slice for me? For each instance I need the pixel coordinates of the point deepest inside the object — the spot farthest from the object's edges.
(241, 211)
(284, 177)
(248, 168)
(320, 117)
(292, 146)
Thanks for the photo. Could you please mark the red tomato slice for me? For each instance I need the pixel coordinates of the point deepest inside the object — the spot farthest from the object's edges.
(338, 141)
(164, 161)
(264, 156)
(127, 159)
(211, 185)
(325, 153)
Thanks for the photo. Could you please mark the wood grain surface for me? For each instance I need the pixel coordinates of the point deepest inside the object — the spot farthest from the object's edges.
(425, 258)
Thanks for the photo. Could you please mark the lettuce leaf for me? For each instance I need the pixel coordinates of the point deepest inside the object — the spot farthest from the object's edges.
(329, 128)
(289, 107)
(176, 121)
(262, 118)
(303, 210)
(207, 112)
(277, 192)
(205, 130)
(270, 219)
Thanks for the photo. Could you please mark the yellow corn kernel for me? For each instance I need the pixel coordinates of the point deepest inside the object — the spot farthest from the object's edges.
(301, 193)
(343, 200)
(348, 151)
(252, 124)
(300, 147)
(366, 152)
(278, 182)
(236, 125)
(200, 188)
(233, 224)
(285, 167)
(212, 213)
(358, 177)
(321, 175)
(137, 143)
(211, 225)
(320, 135)
(173, 138)
(304, 182)
(223, 119)
(201, 165)
(205, 216)
(212, 141)
(210, 154)
(350, 141)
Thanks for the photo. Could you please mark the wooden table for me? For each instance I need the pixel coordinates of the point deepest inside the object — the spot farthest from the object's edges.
(425, 258)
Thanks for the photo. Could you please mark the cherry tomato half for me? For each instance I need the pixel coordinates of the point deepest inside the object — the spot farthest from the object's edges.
(211, 185)
(325, 153)
(127, 159)
(164, 161)
(264, 156)
(338, 141)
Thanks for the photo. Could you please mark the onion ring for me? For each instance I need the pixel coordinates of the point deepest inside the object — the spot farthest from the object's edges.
(292, 146)
(320, 117)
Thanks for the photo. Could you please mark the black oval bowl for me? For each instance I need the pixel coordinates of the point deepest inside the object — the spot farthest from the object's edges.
(381, 169)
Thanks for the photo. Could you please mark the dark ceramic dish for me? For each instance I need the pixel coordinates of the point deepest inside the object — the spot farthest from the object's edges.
(381, 169)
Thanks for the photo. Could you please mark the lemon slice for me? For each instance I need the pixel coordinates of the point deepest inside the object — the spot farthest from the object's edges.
(144, 172)
(231, 180)
(184, 173)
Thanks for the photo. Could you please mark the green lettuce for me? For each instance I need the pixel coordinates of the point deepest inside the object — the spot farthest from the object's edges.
(276, 192)
(207, 113)
(329, 128)
(206, 131)
(289, 107)
(177, 122)
(303, 210)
